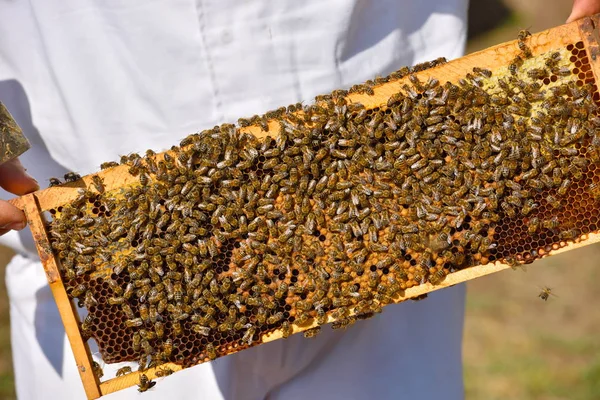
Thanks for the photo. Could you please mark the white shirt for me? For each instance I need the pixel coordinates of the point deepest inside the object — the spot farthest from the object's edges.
(89, 80)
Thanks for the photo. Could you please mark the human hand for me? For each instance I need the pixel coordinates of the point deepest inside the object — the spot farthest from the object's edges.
(14, 179)
(584, 8)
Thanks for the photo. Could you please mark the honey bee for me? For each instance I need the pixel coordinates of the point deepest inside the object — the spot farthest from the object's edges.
(312, 332)
(562, 190)
(115, 301)
(210, 351)
(552, 59)
(54, 182)
(72, 177)
(512, 262)
(136, 322)
(97, 369)
(419, 298)
(123, 371)
(168, 348)
(483, 72)
(90, 300)
(286, 329)
(551, 223)
(343, 323)
(79, 290)
(203, 330)
(109, 164)
(533, 225)
(137, 341)
(553, 201)
(437, 277)
(545, 293)
(249, 335)
(145, 383)
(159, 329)
(162, 372)
(569, 234)
(98, 183)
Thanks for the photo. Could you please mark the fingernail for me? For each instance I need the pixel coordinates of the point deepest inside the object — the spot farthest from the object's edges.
(17, 226)
(33, 179)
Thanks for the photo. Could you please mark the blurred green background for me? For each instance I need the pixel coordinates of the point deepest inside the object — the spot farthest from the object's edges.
(515, 345)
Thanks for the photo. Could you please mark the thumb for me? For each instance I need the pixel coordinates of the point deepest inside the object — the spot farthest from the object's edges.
(583, 8)
(14, 178)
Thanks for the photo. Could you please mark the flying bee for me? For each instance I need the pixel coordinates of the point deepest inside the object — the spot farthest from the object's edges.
(545, 293)
(145, 383)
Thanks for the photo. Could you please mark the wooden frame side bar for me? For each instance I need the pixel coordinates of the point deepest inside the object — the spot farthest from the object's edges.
(66, 308)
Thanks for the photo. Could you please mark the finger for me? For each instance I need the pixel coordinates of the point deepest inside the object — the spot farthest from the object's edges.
(584, 8)
(11, 217)
(14, 179)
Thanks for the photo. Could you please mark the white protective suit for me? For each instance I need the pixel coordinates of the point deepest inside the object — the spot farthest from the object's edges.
(89, 80)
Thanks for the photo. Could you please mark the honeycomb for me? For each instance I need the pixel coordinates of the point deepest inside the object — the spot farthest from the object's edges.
(227, 237)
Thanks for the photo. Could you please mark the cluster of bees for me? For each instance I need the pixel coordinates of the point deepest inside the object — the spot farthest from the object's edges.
(226, 237)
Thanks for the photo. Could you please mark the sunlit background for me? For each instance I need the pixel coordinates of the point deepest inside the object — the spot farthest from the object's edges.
(516, 346)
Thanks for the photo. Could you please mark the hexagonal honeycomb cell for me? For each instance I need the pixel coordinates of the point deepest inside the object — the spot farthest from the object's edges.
(227, 237)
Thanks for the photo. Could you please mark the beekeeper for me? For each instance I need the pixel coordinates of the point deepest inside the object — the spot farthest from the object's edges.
(91, 80)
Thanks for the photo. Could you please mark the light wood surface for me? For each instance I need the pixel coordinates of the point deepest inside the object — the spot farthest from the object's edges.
(492, 58)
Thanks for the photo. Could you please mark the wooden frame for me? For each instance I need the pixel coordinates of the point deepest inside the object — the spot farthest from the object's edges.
(35, 204)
